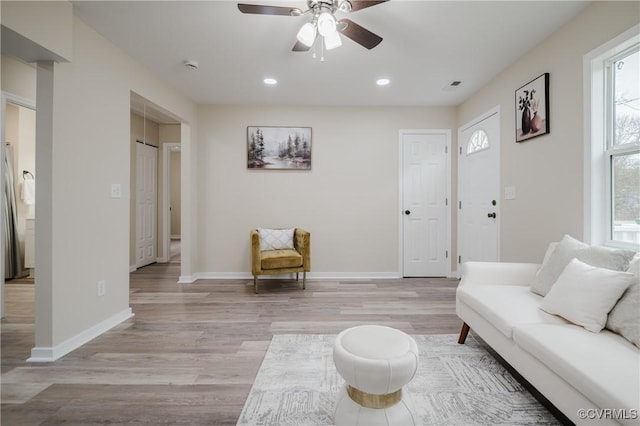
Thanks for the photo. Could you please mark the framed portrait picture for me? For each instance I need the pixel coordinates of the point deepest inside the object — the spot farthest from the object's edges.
(279, 148)
(532, 109)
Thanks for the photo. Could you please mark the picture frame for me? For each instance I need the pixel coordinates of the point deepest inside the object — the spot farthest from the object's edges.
(278, 148)
(532, 109)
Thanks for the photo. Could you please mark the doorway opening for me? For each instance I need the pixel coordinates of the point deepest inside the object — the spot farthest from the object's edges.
(173, 158)
(18, 184)
(155, 185)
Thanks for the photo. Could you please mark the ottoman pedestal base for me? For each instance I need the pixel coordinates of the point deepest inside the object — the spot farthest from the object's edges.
(350, 413)
(372, 400)
(376, 362)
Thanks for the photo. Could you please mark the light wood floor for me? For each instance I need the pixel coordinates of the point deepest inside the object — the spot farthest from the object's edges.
(191, 352)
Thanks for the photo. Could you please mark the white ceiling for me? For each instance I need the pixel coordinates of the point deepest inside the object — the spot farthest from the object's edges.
(427, 44)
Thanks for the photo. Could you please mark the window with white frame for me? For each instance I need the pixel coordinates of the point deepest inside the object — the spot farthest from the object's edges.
(613, 142)
(623, 145)
(478, 141)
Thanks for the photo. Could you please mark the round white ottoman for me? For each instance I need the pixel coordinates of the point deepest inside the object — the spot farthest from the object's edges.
(376, 362)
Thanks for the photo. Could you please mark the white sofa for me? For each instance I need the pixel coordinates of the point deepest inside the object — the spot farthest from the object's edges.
(580, 372)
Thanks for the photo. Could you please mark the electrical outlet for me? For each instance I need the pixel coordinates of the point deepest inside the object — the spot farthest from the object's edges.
(102, 288)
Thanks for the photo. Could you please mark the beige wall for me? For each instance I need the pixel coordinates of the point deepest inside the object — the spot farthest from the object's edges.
(169, 133)
(46, 23)
(18, 78)
(144, 130)
(348, 201)
(548, 171)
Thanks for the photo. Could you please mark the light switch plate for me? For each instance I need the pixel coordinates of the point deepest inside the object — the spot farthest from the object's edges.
(509, 192)
(116, 190)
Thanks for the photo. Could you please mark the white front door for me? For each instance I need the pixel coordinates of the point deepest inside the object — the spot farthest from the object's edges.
(146, 201)
(479, 189)
(424, 203)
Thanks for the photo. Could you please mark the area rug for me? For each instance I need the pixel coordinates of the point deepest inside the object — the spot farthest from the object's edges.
(297, 385)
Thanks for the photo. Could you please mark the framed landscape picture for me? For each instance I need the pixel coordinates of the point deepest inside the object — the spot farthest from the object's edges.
(279, 148)
(532, 109)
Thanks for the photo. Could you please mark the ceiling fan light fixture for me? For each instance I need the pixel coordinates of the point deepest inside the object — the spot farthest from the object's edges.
(307, 34)
(332, 40)
(326, 24)
(344, 6)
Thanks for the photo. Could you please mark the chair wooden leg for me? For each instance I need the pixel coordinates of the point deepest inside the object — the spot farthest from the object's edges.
(297, 277)
(255, 283)
(304, 280)
(463, 333)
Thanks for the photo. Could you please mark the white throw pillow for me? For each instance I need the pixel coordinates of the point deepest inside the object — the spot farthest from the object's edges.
(547, 254)
(584, 294)
(555, 264)
(276, 239)
(605, 257)
(624, 318)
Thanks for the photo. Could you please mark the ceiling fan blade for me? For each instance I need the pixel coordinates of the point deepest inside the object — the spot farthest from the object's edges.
(300, 47)
(363, 4)
(360, 34)
(268, 10)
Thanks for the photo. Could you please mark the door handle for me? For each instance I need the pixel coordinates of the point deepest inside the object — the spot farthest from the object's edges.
(407, 212)
(493, 215)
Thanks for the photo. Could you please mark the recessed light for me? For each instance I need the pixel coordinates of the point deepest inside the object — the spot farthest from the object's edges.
(270, 81)
(383, 81)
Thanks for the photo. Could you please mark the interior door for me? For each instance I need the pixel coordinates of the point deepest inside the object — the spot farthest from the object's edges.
(146, 204)
(424, 204)
(479, 189)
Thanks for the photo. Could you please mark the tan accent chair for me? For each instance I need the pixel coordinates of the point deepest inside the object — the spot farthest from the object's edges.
(271, 262)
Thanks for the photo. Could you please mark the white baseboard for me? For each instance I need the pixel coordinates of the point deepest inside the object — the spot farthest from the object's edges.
(187, 279)
(50, 354)
(354, 275)
(310, 276)
(133, 268)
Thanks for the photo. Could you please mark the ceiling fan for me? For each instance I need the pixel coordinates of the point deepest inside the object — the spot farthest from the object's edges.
(323, 22)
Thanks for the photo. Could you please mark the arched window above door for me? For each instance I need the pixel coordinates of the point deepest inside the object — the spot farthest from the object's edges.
(478, 141)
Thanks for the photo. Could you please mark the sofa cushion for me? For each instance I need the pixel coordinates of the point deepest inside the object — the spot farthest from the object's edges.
(603, 366)
(277, 259)
(276, 239)
(624, 318)
(555, 264)
(585, 294)
(506, 306)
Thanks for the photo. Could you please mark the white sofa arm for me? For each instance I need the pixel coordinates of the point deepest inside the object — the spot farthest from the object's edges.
(498, 273)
